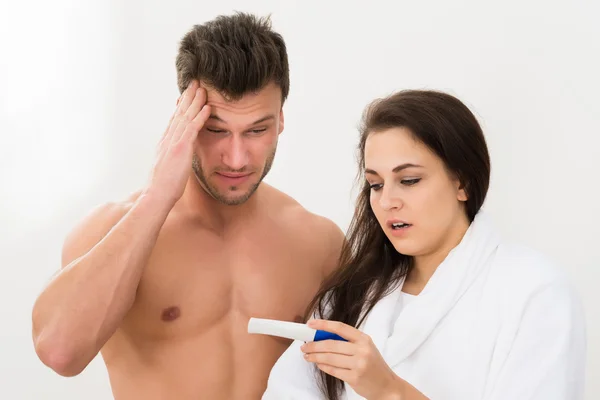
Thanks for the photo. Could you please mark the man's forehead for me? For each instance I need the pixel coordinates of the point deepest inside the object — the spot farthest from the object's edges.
(248, 109)
(267, 96)
(242, 119)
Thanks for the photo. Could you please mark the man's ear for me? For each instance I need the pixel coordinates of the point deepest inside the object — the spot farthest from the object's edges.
(281, 121)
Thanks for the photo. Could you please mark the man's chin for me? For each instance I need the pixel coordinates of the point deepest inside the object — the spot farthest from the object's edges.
(232, 198)
(233, 201)
(231, 195)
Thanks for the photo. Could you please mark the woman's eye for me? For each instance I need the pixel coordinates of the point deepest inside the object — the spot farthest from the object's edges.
(410, 182)
(375, 186)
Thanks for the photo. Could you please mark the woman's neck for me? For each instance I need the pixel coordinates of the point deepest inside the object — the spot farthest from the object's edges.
(425, 265)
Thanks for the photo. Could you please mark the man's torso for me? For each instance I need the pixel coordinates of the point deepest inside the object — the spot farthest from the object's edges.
(186, 334)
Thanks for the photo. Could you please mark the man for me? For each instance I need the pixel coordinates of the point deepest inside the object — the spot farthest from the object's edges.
(163, 284)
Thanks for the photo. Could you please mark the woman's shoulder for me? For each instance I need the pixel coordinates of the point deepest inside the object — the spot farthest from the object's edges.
(529, 287)
(523, 272)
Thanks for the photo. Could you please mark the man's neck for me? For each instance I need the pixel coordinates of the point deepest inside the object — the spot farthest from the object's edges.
(196, 202)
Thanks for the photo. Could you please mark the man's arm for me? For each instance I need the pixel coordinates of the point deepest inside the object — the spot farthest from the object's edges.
(102, 262)
(104, 257)
(336, 240)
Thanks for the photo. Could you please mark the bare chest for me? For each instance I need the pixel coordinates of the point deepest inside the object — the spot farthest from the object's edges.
(197, 283)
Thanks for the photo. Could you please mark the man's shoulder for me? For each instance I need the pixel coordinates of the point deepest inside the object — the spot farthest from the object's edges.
(109, 209)
(318, 234)
(292, 213)
(107, 213)
(90, 229)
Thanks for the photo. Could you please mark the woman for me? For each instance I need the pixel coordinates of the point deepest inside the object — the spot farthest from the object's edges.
(432, 302)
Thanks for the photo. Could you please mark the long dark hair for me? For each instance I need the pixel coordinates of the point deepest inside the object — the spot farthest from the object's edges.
(370, 267)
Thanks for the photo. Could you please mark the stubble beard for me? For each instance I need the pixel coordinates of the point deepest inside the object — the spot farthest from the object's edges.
(215, 193)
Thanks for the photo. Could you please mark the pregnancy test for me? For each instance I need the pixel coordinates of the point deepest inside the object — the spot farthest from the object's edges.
(289, 330)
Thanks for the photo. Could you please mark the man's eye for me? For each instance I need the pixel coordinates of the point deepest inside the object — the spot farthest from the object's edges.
(257, 131)
(215, 130)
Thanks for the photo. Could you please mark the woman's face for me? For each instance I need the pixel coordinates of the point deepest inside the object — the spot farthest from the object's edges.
(418, 203)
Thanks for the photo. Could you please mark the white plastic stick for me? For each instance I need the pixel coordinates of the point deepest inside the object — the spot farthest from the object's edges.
(290, 330)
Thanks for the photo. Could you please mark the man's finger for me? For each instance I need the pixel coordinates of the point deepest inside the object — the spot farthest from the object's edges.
(197, 104)
(188, 97)
(174, 121)
(168, 132)
(191, 131)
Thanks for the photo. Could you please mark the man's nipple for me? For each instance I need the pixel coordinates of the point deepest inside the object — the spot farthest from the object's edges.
(170, 314)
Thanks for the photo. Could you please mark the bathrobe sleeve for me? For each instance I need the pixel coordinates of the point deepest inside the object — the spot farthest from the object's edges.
(292, 377)
(546, 357)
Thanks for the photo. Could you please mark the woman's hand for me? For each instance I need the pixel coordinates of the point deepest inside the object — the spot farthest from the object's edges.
(356, 362)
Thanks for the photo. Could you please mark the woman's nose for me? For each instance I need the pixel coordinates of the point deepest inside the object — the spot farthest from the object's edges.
(390, 198)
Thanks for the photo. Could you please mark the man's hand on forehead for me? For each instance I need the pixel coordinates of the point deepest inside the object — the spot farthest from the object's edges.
(176, 148)
(201, 85)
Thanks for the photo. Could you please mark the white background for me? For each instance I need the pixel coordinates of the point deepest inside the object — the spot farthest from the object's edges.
(86, 89)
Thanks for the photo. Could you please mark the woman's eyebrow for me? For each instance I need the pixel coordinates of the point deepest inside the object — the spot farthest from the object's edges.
(396, 169)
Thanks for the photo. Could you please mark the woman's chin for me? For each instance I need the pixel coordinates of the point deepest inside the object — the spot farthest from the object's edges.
(405, 247)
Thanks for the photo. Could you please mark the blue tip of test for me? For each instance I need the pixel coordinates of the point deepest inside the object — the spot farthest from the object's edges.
(324, 335)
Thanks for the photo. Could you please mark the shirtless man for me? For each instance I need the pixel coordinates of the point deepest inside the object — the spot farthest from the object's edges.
(163, 284)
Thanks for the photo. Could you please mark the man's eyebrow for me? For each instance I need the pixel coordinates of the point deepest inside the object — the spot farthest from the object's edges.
(263, 119)
(258, 121)
(216, 117)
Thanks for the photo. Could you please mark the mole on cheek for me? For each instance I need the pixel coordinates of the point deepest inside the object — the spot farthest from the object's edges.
(170, 314)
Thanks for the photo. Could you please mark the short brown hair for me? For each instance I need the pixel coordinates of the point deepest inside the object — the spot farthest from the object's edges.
(234, 54)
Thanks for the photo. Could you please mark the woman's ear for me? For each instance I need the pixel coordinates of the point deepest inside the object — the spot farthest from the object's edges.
(461, 194)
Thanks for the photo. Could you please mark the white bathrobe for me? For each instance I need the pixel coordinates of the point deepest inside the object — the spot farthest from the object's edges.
(496, 321)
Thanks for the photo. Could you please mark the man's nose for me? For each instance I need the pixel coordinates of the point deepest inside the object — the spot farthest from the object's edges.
(235, 155)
